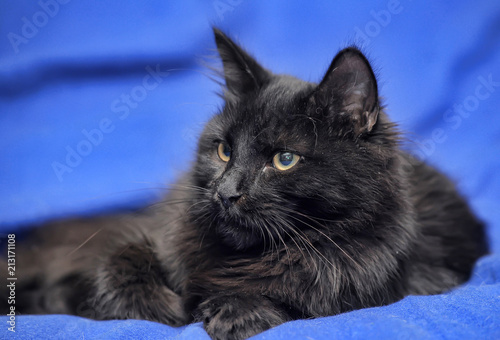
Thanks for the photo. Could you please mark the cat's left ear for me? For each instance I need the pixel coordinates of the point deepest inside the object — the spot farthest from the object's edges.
(242, 73)
(350, 87)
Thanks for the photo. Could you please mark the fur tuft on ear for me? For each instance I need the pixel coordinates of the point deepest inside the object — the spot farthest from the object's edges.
(350, 85)
(242, 73)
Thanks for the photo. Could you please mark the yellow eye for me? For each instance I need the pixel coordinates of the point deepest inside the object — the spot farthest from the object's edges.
(224, 152)
(285, 160)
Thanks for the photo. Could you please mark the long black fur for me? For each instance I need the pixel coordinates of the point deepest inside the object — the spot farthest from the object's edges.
(243, 246)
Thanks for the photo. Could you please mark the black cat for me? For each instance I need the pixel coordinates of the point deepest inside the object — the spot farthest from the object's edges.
(300, 204)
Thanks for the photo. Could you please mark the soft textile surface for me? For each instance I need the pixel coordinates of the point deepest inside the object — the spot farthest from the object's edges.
(101, 103)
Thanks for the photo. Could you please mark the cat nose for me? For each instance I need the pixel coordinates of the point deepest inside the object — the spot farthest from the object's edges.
(228, 200)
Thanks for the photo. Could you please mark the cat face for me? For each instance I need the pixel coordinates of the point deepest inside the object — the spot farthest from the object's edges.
(283, 153)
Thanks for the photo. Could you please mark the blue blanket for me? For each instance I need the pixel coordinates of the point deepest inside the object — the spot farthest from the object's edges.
(101, 104)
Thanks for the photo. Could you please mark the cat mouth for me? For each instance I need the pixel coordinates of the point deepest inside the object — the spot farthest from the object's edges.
(242, 230)
(238, 228)
(239, 236)
(234, 218)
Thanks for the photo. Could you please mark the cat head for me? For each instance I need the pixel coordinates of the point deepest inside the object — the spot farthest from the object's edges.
(284, 154)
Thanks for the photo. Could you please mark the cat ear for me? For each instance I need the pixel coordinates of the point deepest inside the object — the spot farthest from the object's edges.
(350, 86)
(242, 73)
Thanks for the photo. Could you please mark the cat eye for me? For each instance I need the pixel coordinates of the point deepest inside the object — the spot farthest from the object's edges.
(224, 152)
(285, 160)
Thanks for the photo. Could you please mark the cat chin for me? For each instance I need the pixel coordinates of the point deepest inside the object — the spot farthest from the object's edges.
(239, 237)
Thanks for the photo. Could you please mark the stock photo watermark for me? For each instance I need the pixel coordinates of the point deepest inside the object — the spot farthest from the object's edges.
(381, 19)
(223, 6)
(11, 282)
(32, 25)
(454, 116)
(122, 106)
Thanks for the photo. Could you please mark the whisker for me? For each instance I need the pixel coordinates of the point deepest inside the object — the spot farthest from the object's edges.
(286, 249)
(271, 237)
(321, 232)
(293, 240)
(306, 242)
(84, 242)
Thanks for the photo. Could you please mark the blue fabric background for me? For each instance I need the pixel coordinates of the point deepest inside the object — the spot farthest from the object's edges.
(67, 67)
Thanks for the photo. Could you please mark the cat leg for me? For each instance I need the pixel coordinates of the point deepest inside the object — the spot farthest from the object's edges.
(238, 316)
(131, 284)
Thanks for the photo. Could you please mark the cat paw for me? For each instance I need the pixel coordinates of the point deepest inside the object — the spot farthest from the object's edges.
(237, 317)
(132, 285)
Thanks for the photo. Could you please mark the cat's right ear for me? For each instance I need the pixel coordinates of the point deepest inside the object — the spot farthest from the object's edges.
(350, 87)
(242, 73)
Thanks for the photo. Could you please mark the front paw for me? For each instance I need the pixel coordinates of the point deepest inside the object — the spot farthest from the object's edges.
(132, 284)
(237, 317)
